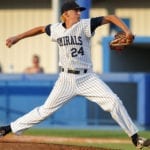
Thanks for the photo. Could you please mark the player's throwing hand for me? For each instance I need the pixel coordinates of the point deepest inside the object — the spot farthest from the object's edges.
(12, 40)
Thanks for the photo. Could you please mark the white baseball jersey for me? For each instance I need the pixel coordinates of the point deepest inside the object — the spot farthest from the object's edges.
(74, 53)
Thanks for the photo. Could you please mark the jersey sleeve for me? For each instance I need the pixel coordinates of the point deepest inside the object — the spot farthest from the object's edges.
(48, 30)
(96, 22)
(86, 26)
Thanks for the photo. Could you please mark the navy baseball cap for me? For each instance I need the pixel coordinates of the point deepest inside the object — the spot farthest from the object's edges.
(71, 5)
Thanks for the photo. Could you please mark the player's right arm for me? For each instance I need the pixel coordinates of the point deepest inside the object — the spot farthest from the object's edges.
(35, 31)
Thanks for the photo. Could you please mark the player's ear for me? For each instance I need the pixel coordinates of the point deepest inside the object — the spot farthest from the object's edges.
(63, 17)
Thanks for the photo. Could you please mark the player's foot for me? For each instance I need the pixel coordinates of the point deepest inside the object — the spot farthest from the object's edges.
(140, 142)
(4, 130)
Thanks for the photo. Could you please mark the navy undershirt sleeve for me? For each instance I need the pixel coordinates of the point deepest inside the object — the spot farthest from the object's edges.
(96, 22)
(47, 29)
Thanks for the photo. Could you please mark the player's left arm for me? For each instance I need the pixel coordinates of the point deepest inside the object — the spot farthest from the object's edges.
(118, 22)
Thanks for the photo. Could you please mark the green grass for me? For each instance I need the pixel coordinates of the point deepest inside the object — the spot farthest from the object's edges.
(77, 133)
(81, 133)
(88, 134)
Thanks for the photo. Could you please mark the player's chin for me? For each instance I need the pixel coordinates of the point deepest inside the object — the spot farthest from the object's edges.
(78, 19)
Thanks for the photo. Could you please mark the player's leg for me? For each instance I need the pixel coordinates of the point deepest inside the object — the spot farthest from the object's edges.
(97, 91)
(61, 93)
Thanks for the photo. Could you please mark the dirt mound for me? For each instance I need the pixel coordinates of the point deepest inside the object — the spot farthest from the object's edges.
(36, 146)
(12, 142)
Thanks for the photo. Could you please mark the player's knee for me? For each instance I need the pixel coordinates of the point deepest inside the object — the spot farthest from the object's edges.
(112, 103)
(44, 112)
(117, 103)
(47, 110)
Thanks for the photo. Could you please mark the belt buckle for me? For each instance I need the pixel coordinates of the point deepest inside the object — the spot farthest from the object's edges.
(74, 71)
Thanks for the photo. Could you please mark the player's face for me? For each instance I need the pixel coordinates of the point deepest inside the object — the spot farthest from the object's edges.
(74, 15)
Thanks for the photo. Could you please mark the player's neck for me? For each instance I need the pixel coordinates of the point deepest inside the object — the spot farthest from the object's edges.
(69, 23)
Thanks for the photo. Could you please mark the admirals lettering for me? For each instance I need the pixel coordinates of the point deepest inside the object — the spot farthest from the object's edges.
(69, 40)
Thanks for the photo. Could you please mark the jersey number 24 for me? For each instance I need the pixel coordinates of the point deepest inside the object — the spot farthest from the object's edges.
(75, 52)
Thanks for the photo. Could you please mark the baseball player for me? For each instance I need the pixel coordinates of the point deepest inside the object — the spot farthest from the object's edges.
(76, 75)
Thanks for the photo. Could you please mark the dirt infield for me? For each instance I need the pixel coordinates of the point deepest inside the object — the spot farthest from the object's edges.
(30, 146)
(36, 146)
(12, 142)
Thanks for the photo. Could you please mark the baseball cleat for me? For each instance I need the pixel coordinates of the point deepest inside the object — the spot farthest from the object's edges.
(142, 142)
(4, 130)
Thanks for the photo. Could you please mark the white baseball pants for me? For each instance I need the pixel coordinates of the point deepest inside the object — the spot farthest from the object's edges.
(69, 85)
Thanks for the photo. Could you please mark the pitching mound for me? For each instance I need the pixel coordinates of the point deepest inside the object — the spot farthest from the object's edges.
(12, 142)
(36, 146)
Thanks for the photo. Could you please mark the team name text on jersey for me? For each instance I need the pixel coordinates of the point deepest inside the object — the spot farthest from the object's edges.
(69, 40)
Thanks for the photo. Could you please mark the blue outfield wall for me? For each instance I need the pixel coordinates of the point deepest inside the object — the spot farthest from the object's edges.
(21, 93)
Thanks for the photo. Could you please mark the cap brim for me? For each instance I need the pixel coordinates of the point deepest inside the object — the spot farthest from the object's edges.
(81, 8)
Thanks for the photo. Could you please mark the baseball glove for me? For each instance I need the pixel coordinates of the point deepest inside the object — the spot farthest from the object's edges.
(120, 41)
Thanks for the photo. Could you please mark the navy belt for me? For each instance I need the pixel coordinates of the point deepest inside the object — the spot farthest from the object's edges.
(74, 71)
